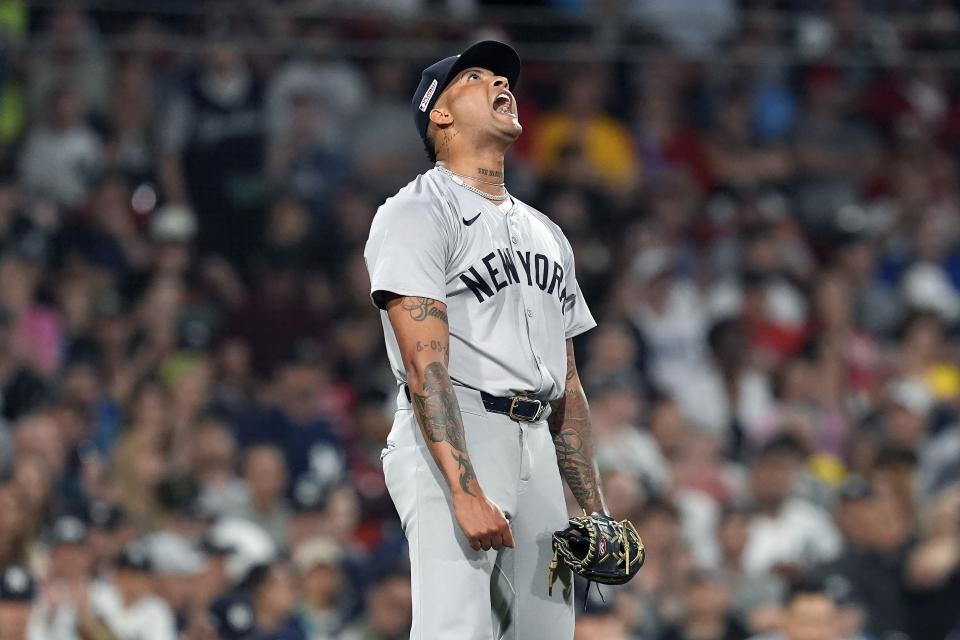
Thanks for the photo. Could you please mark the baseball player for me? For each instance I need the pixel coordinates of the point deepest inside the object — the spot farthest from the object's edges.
(479, 302)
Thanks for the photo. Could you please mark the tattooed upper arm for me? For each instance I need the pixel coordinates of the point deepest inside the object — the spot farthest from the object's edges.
(422, 308)
(422, 330)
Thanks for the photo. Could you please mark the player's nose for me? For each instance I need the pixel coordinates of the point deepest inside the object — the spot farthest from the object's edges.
(500, 82)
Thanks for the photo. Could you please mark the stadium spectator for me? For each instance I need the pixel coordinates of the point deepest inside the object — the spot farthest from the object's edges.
(17, 591)
(324, 588)
(265, 477)
(71, 53)
(59, 609)
(62, 154)
(127, 604)
(706, 614)
(581, 141)
(273, 598)
(177, 566)
(620, 443)
(212, 141)
(388, 609)
(213, 462)
(787, 532)
(810, 613)
(869, 568)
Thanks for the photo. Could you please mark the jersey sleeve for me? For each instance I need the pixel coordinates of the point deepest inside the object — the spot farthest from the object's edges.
(406, 253)
(577, 318)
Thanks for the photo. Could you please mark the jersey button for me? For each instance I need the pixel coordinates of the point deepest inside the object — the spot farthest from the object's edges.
(529, 313)
(515, 239)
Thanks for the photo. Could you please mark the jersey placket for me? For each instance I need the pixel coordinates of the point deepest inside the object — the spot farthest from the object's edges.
(527, 294)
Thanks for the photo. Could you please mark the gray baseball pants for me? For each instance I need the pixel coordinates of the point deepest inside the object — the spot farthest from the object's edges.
(459, 593)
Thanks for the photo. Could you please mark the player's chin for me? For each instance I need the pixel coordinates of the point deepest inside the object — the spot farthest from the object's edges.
(507, 124)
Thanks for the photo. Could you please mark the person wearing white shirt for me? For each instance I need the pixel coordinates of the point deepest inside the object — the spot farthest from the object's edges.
(786, 531)
(127, 604)
(62, 155)
(621, 444)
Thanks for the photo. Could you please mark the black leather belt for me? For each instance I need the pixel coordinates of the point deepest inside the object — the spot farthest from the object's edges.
(519, 407)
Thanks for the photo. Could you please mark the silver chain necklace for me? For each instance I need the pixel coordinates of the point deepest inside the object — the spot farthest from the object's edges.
(482, 194)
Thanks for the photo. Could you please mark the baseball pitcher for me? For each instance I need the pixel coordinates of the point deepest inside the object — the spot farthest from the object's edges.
(479, 301)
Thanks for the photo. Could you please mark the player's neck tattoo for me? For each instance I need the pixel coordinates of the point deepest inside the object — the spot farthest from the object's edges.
(461, 179)
(491, 173)
(445, 142)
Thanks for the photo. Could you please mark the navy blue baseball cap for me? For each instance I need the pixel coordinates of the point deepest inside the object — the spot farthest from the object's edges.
(16, 584)
(232, 616)
(498, 57)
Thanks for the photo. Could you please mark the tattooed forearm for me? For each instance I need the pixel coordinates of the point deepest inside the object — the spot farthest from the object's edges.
(438, 409)
(440, 418)
(573, 439)
(558, 413)
(422, 308)
(575, 459)
(466, 471)
(433, 345)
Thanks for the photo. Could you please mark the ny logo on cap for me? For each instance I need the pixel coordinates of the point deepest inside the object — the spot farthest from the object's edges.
(16, 580)
(428, 95)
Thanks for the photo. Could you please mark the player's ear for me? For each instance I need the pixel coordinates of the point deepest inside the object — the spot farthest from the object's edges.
(441, 117)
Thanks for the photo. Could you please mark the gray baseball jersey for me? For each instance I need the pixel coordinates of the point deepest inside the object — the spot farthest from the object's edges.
(507, 278)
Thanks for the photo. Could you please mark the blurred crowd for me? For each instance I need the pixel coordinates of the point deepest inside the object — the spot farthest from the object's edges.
(765, 213)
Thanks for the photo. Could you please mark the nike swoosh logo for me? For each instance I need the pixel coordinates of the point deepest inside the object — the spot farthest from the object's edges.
(471, 220)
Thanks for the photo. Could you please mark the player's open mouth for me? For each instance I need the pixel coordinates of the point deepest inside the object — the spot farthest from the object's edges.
(503, 103)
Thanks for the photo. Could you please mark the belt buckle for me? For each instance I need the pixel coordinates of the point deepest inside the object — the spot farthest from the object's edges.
(513, 405)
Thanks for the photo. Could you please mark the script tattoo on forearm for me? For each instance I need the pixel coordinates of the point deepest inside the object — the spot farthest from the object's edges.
(573, 439)
(440, 418)
(422, 308)
(433, 345)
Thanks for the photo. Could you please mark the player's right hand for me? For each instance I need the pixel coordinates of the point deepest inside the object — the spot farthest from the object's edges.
(482, 522)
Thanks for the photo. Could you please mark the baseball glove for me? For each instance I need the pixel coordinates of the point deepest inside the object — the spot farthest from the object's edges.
(598, 548)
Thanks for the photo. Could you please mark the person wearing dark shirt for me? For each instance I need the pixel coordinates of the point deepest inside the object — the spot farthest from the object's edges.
(21, 390)
(231, 616)
(871, 563)
(274, 600)
(213, 143)
(294, 422)
(932, 573)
